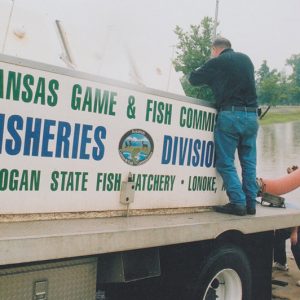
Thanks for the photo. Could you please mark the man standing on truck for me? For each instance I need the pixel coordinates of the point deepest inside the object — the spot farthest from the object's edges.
(230, 75)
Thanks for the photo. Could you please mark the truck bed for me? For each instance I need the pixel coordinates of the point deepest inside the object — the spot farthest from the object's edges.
(58, 239)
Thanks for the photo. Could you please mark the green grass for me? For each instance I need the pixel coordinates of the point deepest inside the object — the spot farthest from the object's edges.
(281, 114)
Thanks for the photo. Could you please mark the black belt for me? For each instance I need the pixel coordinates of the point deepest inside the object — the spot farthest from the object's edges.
(238, 108)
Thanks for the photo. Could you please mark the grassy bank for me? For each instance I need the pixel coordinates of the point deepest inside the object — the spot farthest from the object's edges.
(281, 114)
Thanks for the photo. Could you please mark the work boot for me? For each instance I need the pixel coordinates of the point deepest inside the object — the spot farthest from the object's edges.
(251, 210)
(232, 209)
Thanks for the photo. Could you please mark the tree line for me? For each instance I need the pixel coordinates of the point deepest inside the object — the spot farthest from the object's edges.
(273, 87)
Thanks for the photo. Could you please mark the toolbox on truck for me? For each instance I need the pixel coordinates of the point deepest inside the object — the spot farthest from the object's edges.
(73, 279)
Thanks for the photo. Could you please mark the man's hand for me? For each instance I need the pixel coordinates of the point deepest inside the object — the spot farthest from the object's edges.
(294, 236)
(291, 169)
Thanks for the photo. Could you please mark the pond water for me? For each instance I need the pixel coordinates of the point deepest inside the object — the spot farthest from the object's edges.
(278, 147)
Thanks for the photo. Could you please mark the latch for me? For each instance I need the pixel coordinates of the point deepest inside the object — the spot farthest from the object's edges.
(40, 290)
(127, 191)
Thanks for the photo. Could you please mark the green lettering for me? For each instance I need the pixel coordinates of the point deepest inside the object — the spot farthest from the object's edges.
(13, 85)
(70, 182)
(100, 104)
(181, 119)
(76, 101)
(54, 184)
(150, 186)
(13, 180)
(87, 102)
(112, 103)
(63, 179)
(24, 181)
(3, 179)
(28, 80)
(148, 109)
(161, 183)
(106, 181)
(35, 179)
(40, 92)
(53, 87)
(85, 180)
(110, 185)
(197, 119)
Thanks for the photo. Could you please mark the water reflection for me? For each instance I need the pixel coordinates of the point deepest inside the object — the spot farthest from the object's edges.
(278, 146)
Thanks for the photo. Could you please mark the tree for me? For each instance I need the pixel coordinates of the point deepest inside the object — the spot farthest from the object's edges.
(268, 85)
(284, 97)
(192, 51)
(294, 62)
(263, 72)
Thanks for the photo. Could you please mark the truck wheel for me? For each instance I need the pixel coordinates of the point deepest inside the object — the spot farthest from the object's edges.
(225, 275)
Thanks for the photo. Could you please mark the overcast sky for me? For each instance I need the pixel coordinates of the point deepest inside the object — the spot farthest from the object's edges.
(263, 29)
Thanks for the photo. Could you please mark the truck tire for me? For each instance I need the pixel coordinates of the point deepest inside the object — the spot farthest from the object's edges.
(225, 275)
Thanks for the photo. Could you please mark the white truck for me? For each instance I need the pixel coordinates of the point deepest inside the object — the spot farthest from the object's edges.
(106, 191)
(106, 188)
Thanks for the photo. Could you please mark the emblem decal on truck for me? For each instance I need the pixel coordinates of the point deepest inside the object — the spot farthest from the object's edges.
(136, 147)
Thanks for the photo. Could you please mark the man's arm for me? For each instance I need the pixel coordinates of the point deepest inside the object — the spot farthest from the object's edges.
(204, 74)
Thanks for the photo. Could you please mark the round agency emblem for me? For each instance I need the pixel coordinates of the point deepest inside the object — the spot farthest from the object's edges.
(136, 147)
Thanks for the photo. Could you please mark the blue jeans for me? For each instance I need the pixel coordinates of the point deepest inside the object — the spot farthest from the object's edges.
(237, 130)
